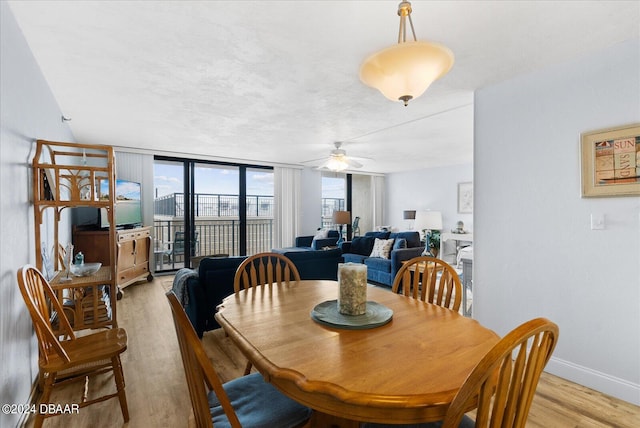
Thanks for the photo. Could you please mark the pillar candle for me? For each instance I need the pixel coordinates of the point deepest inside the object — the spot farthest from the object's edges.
(352, 280)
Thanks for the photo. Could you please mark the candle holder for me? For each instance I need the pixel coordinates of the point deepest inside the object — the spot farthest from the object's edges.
(352, 282)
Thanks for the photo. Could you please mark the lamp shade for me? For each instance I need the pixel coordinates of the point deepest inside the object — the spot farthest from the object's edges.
(409, 214)
(406, 69)
(431, 220)
(341, 217)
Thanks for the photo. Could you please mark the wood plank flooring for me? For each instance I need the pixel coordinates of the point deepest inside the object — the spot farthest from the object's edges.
(157, 392)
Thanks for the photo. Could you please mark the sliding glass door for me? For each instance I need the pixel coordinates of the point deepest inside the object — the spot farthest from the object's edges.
(207, 209)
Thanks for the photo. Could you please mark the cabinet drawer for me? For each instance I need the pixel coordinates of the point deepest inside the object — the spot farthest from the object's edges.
(133, 234)
(142, 268)
(126, 275)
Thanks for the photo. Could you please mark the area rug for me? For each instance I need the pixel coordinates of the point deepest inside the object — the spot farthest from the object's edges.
(166, 282)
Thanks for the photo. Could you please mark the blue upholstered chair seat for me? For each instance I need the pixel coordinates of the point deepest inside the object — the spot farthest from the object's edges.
(249, 396)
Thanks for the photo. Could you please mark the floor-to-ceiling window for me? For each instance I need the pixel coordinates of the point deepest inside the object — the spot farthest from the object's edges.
(349, 192)
(210, 209)
(334, 196)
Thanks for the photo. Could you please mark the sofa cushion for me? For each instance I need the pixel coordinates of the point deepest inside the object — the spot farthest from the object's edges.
(362, 245)
(321, 264)
(216, 278)
(378, 264)
(381, 235)
(400, 243)
(412, 238)
(354, 258)
(381, 248)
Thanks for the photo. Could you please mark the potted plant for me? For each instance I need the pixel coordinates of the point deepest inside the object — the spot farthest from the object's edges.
(434, 242)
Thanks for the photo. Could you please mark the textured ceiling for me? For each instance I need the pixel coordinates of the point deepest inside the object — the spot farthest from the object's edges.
(277, 81)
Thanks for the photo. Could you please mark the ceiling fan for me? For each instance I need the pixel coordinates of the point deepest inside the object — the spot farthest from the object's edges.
(338, 160)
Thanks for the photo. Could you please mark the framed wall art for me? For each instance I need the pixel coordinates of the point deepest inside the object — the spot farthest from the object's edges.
(465, 198)
(611, 161)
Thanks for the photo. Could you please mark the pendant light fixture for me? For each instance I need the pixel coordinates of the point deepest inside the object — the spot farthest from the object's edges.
(404, 71)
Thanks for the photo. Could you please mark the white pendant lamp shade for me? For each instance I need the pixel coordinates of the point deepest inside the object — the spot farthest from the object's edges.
(404, 71)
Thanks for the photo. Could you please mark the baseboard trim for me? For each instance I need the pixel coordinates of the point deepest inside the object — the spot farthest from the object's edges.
(602, 382)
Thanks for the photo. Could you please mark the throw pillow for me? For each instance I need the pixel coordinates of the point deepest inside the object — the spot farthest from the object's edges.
(361, 245)
(321, 234)
(382, 248)
(400, 243)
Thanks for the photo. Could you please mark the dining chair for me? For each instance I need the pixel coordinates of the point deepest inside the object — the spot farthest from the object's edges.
(264, 268)
(261, 269)
(503, 383)
(431, 280)
(76, 358)
(247, 401)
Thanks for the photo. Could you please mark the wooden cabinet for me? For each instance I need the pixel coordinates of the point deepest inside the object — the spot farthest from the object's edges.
(133, 246)
(133, 255)
(93, 243)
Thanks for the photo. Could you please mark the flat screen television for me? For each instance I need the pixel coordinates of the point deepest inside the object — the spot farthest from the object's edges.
(128, 207)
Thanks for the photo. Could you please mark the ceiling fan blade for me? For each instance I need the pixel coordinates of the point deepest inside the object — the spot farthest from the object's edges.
(353, 163)
(315, 160)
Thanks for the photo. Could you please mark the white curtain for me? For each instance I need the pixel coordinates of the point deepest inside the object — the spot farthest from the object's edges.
(377, 193)
(287, 206)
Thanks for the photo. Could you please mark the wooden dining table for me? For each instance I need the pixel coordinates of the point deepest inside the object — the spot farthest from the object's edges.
(405, 371)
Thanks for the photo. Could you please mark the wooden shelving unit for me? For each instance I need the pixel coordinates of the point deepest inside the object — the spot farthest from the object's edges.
(70, 175)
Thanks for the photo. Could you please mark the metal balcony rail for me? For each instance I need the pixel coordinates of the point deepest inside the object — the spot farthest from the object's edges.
(214, 205)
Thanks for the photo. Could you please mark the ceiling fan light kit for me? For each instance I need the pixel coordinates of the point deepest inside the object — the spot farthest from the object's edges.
(338, 160)
(405, 71)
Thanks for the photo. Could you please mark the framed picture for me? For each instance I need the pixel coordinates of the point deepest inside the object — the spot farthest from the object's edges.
(611, 161)
(465, 197)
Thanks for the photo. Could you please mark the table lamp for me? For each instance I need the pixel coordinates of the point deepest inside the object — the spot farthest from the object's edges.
(341, 218)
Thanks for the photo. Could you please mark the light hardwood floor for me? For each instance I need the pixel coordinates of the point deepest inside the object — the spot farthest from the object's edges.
(157, 391)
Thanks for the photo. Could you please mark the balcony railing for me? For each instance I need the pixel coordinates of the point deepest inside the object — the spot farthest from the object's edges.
(217, 225)
(215, 236)
(214, 205)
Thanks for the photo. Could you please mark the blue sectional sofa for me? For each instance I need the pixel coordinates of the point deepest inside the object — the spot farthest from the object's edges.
(205, 288)
(406, 246)
(319, 264)
(317, 244)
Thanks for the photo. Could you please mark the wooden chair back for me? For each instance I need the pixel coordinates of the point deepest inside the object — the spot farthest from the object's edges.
(431, 280)
(75, 359)
(44, 307)
(198, 369)
(505, 380)
(264, 268)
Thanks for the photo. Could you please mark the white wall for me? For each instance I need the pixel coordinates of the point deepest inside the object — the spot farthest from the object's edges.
(434, 189)
(28, 111)
(535, 254)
